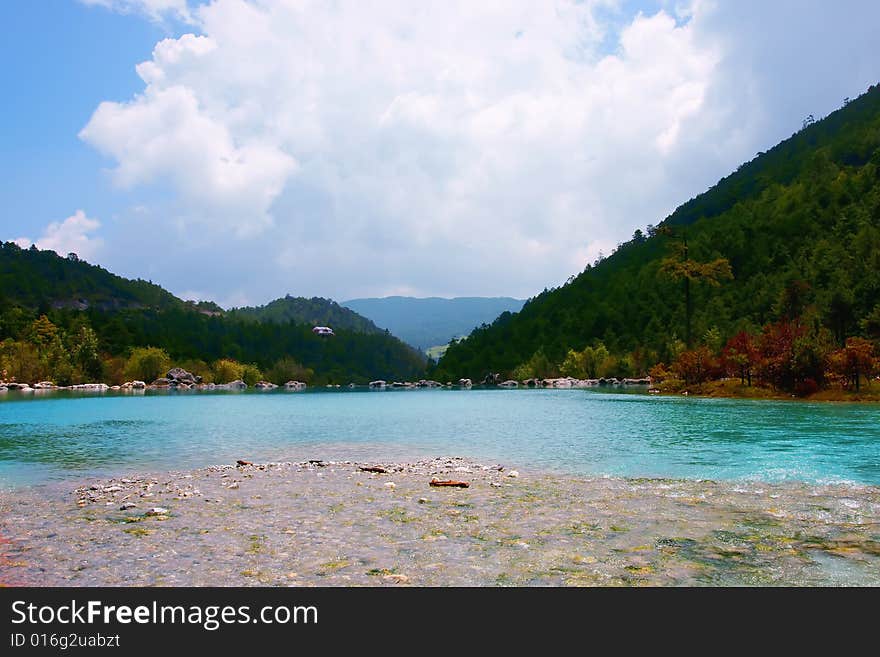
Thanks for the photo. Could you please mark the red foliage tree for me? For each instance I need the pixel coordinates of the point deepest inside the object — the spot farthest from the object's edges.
(695, 366)
(740, 356)
(854, 361)
(792, 354)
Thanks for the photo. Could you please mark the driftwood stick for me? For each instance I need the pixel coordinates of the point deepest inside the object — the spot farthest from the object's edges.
(450, 482)
(373, 468)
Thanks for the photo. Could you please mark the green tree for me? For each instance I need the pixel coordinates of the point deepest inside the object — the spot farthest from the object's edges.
(680, 266)
(226, 370)
(20, 361)
(147, 364)
(84, 354)
(250, 374)
(289, 369)
(536, 367)
(574, 365)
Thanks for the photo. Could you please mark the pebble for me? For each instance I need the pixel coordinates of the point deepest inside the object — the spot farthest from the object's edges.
(127, 506)
(423, 500)
(390, 484)
(513, 473)
(156, 511)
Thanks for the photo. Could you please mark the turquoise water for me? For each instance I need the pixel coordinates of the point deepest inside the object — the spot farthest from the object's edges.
(58, 436)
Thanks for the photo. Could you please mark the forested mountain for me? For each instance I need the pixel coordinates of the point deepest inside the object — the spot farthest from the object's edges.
(432, 321)
(315, 311)
(41, 280)
(67, 321)
(787, 248)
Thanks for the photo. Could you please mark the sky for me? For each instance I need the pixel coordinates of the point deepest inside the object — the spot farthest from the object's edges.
(240, 150)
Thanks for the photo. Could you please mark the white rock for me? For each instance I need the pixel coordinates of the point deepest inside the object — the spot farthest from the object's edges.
(513, 473)
(156, 511)
(390, 484)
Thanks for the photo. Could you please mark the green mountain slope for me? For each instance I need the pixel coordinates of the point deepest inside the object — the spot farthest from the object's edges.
(123, 314)
(432, 321)
(803, 216)
(42, 279)
(314, 311)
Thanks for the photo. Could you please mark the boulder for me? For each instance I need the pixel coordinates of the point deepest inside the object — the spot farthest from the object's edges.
(138, 384)
(265, 385)
(377, 384)
(491, 379)
(161, 383)
(509, 384)
(465, 383)
(179, 375)
(295, 385)
(238, 384)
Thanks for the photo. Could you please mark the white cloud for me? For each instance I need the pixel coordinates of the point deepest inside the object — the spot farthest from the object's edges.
(68, 236)
(440, 147)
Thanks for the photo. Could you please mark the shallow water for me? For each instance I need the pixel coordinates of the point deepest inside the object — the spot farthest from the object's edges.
(333, 524)
(61, 436)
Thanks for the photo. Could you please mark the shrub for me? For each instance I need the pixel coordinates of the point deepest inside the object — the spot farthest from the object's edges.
(250, 374)
(806, 387)
(288, 369)
(226, 370)
(147, 364)
(20, 361)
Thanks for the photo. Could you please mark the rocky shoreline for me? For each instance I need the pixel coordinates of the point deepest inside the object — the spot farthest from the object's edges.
(179, 379)
(344, 523)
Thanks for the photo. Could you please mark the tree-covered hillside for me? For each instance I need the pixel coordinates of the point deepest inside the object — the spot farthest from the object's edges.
(67, 321)
(314, 311)
(41, 280)
(798, 228)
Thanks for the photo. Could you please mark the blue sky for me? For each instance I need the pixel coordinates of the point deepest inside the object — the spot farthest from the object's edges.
(451, 148)
(62, 59)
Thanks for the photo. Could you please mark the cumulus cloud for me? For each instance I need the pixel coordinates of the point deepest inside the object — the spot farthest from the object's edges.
(69, 236)
(440, 147)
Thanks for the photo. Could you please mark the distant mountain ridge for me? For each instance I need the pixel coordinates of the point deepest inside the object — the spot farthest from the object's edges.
(315, 311)
(431, 321)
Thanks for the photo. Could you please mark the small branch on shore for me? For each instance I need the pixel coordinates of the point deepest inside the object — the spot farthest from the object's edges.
(449, 482)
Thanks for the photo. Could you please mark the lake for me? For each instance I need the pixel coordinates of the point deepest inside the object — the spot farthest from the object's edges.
(57, 436)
